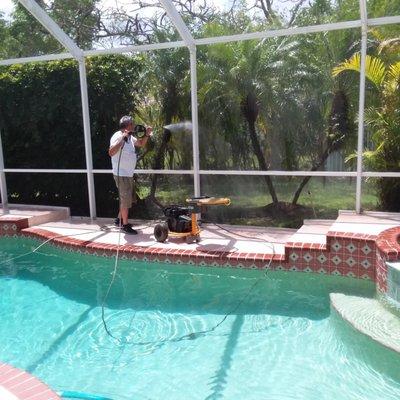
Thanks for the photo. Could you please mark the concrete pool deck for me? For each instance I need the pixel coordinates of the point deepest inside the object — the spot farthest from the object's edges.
(266, 241)
(344, 246)
(16, 384)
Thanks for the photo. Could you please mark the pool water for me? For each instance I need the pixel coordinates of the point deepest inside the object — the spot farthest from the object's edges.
(280, 341)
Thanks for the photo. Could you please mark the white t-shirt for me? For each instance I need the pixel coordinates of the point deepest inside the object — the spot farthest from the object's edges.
(127, 163)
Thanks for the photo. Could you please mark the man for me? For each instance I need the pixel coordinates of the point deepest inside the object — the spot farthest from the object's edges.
(123, 157)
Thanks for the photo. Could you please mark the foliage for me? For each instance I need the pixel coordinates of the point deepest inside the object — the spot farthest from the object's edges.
(43, 111)
(263, 104)
(25, 36)
(383, 120)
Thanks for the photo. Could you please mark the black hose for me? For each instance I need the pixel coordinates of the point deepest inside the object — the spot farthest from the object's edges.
(116, 256)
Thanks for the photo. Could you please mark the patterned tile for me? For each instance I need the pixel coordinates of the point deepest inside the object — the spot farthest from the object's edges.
(366, 249)
(353, 255)
(351, 247)
(351, 262)
(336, 260)
(336, 246)
(366, 264)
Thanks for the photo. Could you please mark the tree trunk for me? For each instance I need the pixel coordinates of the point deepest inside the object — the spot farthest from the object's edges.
(339, 128)
(159, 162)
(304, 182)
(261, 161)
(250, 112)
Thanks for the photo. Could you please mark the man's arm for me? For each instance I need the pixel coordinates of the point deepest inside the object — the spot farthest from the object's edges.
(117, 146)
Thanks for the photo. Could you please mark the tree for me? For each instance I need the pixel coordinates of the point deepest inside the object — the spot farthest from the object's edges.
(78, 18)
(383, 119)
(43, 110)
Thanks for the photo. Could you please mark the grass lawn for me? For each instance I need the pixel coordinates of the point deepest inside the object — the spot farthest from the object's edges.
(321, 198)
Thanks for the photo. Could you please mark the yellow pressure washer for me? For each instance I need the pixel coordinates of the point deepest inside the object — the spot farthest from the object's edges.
(181, 221)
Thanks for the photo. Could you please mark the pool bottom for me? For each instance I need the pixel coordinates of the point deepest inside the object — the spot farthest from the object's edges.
(281, 342)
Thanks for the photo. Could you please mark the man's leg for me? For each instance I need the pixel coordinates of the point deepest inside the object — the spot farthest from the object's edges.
(124, 185)
(123, 213)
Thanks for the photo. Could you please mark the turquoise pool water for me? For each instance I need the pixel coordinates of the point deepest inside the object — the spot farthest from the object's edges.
(280, 343)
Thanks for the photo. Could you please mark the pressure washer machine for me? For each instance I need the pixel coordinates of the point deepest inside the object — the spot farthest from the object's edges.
(181, 221)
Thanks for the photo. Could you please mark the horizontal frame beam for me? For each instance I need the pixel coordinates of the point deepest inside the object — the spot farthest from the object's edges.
(136, 48)
(212, 40)
(280, 32)
(25, 60)
(339, 174)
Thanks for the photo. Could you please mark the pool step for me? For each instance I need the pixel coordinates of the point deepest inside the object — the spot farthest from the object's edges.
(369, 317)
(21, 216)
(313, 231)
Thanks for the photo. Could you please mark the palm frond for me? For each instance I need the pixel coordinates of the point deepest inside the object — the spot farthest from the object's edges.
(391, 45)
(394, 71)
(375, 69)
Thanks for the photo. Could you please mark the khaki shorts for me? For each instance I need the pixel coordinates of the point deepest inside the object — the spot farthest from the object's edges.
(126, 190)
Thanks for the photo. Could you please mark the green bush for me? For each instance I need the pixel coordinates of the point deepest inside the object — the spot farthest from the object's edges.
(41, 122)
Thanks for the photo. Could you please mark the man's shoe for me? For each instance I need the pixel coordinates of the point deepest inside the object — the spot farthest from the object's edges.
(116, 222)
(128, 229)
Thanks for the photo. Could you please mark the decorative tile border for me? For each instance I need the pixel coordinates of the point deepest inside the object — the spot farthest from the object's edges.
(12, 225)
(344, 254)
(387, 249)
(24, 386)
(159, 254)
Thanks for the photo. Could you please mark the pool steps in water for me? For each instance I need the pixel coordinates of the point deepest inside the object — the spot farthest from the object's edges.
(369, 317)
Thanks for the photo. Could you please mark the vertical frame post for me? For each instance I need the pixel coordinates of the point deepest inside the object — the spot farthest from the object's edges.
(361, 105)
(3, 186)
(87, 136)
(195, 120)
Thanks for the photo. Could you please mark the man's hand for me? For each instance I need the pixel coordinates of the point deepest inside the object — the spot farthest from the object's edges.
(125, 134)
(149, 131)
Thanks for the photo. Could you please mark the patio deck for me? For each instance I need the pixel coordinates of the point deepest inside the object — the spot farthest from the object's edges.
(344, 246)
(16, 384)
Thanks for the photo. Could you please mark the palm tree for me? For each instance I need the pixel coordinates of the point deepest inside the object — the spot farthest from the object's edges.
(253, 80)
(165, 77)
(383, 119)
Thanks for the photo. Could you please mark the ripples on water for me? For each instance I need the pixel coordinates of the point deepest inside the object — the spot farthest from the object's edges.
(174, 338)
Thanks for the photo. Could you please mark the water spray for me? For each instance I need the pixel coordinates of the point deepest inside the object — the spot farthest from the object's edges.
(179, 127)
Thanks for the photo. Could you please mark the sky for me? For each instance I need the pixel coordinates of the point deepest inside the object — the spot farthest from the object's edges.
(7, 6)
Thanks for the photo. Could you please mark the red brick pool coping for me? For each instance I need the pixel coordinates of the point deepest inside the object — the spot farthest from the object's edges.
(24, 386)
(388, 249)
(343, 254)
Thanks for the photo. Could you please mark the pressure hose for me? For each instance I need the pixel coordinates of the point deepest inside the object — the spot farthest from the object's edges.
(114, 273)
(117, 254)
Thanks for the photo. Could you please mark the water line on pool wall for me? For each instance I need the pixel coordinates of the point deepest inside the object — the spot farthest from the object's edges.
(41, 244)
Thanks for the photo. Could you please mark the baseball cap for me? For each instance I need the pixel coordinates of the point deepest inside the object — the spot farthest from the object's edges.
(125, 120)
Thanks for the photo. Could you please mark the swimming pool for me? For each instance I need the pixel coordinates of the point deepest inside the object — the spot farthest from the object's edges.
(279, 342)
